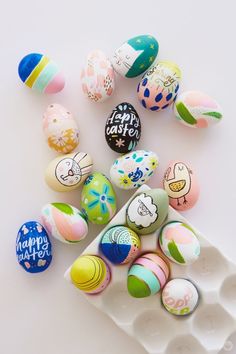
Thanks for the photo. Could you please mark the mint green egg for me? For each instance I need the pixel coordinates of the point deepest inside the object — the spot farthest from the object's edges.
(98, 199)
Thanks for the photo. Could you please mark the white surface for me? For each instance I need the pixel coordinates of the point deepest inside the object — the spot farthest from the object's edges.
(41, 313)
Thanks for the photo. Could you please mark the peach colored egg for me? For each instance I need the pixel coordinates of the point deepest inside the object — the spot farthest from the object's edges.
(181, 185)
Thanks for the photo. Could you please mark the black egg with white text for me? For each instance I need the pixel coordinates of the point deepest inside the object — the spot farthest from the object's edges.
(123, 128)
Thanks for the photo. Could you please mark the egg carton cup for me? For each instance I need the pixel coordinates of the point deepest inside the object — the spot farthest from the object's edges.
(210, 329)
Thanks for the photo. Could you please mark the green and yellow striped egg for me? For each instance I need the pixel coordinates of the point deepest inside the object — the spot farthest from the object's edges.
(147, 275)
(90, 274)
(40, 73)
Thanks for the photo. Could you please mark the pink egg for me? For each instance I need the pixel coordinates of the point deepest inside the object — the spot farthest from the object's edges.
(181, 185)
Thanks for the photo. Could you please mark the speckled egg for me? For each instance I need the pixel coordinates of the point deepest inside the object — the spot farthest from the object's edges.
(181, 185)
(133, 169)
(195, 109)
(180, 297)
(90, 274)
(159, 86)
(120, 245)
(33, 247)
(97, 77)
(98, 199)
(68, 172)
(64, 222)
(135, 56)
(147, 275)
(147, 211)
(60, 129)
(123, 128)
(40, 73)
(179, 243)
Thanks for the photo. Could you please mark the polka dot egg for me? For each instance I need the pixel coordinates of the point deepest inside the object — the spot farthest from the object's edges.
(120, 244)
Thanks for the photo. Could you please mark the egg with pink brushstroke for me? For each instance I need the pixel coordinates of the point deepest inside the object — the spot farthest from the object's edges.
(97, 77)
(178, 241)
(64, 222)
(195, 109)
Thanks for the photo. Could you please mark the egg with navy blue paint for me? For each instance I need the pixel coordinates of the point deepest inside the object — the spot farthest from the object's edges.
(159, 86)
(40, 73)
(133, 169)
(33, 247)
(123, 128)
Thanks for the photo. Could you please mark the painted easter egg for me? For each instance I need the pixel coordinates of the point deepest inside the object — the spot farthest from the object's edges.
(40, 73)
(98, 199)
(97, 77)
(60, 129)
(147, 275)
(67, 172)
(181, 185)
(120, 245)
(159, 86)
(197, 110)
(135, 56)
(64, 222)
(147, 211)
(179, 243)
(180, 297)
(33, 247)
(133, 169)
(123, 128)
(90, 274)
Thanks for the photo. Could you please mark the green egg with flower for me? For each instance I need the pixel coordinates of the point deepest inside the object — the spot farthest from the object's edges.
(98, 199)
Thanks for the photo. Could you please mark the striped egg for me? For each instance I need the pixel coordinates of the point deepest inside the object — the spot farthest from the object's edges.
(147, 275)
(120, 245)
(40, 73)
(90, 274)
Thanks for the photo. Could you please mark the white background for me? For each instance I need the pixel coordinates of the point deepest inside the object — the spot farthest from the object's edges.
(42, 313)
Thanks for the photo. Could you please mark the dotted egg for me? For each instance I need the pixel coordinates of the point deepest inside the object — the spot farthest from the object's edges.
(120, 245)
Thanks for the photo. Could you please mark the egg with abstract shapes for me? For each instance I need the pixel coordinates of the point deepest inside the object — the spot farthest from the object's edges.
(123, 128)
(60, 129)
(64, 222)
(132, 170)
(33, 247)
(195, 109)
(98, 199)
(147, 211)
(90, 274)
(181, 185)
(41, 74)
(97, 77)
(135, 56)
(120, 245)
(68, 172)
(179, 243)
(159, 86)
(180, 297)
(147, 275)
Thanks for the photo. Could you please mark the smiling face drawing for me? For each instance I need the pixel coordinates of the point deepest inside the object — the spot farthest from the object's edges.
(124, 58)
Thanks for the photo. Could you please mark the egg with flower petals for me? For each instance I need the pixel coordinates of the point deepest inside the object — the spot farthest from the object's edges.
(98, 199)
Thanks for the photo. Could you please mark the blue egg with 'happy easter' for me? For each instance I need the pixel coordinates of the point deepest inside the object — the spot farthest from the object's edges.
(33, 247)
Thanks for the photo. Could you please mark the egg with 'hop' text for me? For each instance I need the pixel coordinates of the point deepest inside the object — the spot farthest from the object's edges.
(123, 128)
(40, 73)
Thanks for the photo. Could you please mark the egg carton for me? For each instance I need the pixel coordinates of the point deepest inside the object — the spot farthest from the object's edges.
(210, 329)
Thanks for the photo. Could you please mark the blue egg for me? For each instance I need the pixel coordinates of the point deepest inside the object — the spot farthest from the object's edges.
(33, 247)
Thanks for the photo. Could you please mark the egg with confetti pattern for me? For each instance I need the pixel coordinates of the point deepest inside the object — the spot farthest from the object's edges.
(64, 222)
(90, 274)
(33, 247)
(159, 86)
(179, 243)
(120, 245)
(41, 74)
(195, 109)
(98, 199)
(147, 275)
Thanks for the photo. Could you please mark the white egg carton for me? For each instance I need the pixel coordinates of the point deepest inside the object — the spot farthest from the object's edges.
(210, 329)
